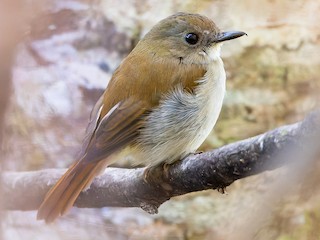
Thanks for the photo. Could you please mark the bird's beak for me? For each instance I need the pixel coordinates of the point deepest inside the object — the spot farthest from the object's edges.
(225, 36)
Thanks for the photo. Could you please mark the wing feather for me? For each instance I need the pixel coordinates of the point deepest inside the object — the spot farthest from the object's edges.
(118, 128)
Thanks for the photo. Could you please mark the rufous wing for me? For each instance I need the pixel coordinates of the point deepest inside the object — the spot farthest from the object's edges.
(118, 128)
(115, 130)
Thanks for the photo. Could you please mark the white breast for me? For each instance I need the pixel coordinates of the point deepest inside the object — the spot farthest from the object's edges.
(182, 120)
(211, 94)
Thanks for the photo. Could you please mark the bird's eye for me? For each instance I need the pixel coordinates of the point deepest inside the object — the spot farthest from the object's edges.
(192, 38)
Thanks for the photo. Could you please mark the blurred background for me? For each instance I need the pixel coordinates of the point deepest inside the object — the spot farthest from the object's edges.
(65, 52)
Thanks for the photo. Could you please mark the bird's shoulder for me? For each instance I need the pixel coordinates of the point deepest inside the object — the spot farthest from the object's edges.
(147, 78)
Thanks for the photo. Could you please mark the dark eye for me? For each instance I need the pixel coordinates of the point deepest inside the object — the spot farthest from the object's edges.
(192, 38)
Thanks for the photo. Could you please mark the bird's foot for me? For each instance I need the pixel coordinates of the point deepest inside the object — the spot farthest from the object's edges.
(158, 175)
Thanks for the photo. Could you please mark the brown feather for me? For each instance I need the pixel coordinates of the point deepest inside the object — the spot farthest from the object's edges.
(116, 130)
(63, 195)
(145, 78)
(105, 140)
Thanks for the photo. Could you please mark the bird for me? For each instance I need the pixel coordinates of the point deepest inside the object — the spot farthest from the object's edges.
(159, 106)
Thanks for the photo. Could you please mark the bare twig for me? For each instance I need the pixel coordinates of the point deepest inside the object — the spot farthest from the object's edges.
(210, 170)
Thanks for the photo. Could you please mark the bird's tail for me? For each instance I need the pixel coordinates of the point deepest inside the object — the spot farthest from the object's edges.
(64, 193)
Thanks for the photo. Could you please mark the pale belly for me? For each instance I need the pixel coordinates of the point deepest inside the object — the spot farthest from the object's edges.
(182, 121)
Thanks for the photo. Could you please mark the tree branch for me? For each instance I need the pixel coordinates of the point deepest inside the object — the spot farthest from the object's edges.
(216, 169)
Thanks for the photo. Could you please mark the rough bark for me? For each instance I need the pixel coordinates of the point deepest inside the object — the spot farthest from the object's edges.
(216, 169)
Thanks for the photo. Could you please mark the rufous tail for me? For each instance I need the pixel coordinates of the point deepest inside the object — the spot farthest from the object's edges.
(64, 193)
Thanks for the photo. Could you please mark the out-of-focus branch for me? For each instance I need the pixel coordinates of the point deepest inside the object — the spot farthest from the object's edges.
(210, 170)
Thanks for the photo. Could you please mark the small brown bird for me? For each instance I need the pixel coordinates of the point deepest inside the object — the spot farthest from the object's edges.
(160, 105)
